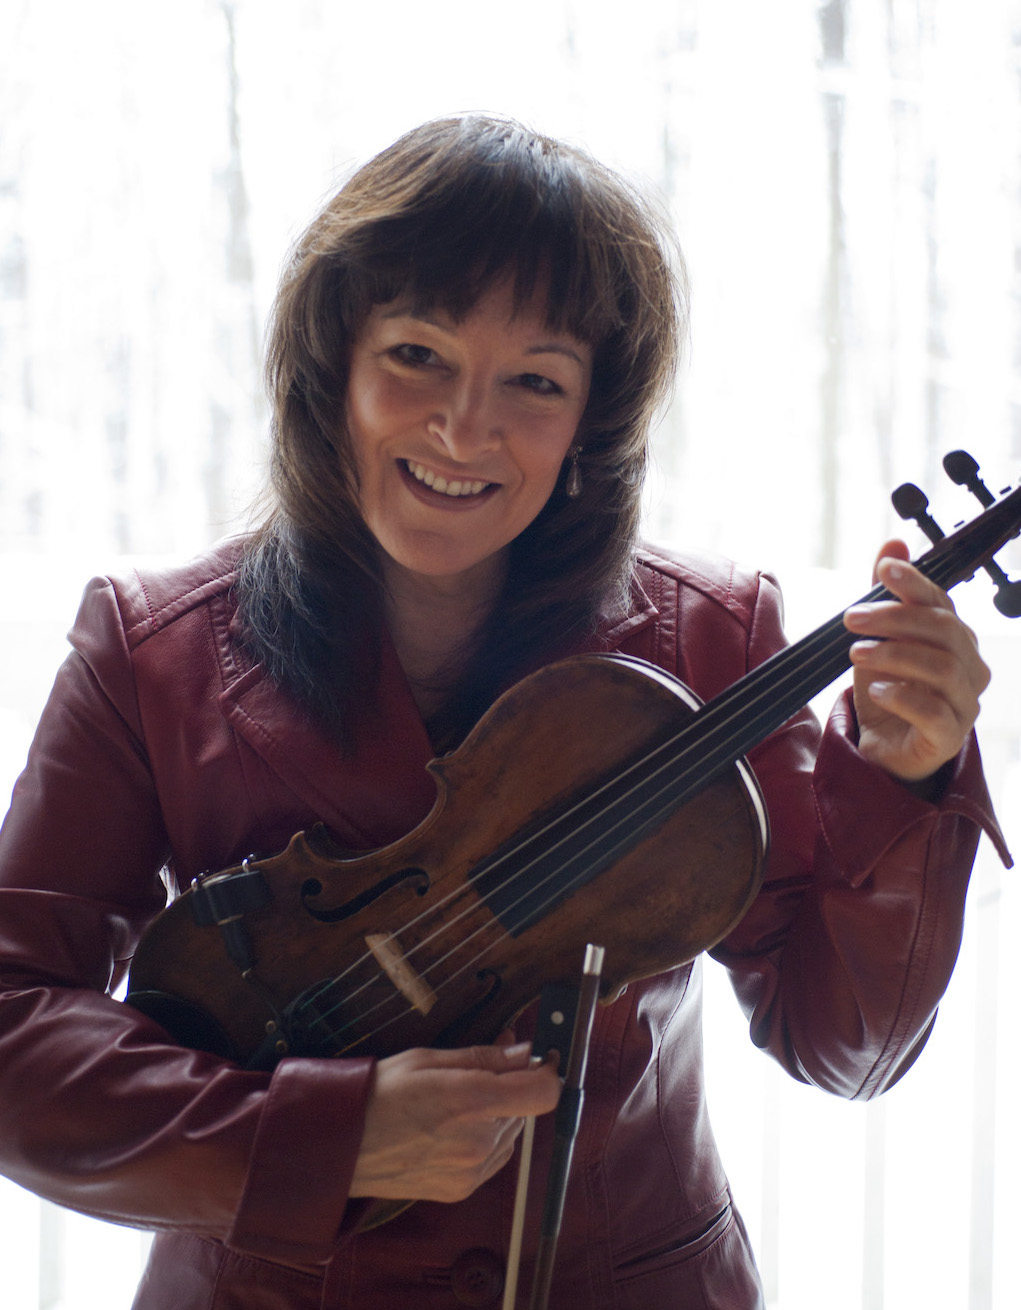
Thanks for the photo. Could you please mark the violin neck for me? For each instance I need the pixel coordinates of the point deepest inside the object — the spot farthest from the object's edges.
(746, 713)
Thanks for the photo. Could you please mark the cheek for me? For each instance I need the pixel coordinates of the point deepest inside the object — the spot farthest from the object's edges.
(365, 419)
(542, 474)
(380, 409)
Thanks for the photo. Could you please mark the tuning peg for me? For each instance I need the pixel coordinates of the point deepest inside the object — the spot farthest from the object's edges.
(911, 502)
(962, 468)
(1008, 594)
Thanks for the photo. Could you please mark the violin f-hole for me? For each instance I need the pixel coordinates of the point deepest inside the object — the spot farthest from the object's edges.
(418, 878)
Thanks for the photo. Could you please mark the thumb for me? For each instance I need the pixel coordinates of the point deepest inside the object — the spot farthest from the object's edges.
(488, 1059)
(892, 549)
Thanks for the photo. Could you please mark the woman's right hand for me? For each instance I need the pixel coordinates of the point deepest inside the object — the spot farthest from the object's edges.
(439, 1123)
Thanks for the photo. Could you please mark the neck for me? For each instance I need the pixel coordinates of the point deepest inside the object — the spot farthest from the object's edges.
(433, 623)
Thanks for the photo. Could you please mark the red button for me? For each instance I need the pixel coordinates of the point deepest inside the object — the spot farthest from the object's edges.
(476, 1277)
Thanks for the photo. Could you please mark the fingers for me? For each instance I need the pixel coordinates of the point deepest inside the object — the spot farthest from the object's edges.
(503, 1055)
(892, 549)
(917, 637)
(905, 582)
(495, 1081)
(440, 1122)
(918, 672)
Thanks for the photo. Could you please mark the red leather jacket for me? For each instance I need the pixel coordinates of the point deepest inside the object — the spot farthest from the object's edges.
(162, 747)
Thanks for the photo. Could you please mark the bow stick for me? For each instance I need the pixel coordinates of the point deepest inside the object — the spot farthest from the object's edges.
(565, 1125)
(564, 1025)
(554, 1026)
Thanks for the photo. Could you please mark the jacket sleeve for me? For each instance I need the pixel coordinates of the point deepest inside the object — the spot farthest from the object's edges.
(98, 1110)
(844, 956)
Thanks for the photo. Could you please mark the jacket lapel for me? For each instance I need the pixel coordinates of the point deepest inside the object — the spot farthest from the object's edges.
(369, 798)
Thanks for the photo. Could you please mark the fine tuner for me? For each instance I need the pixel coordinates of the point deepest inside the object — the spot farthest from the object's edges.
(911, 503)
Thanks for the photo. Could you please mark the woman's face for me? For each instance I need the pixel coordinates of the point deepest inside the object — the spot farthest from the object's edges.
(459, 429)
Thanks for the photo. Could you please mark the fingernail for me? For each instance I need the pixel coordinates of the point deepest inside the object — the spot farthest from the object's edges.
(516, 1051)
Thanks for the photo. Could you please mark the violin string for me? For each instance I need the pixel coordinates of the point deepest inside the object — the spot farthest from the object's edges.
(723, 748)
(329, 985)
(830, 638)
(724, 751)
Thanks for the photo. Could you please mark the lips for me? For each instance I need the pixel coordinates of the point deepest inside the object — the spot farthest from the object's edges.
(455, 488)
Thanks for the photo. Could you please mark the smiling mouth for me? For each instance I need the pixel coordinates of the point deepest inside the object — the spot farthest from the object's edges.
(444, 487)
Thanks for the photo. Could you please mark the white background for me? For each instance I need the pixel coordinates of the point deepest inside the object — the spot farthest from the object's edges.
(844, 178)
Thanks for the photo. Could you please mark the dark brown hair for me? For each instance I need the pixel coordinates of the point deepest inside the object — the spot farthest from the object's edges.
(439, 218)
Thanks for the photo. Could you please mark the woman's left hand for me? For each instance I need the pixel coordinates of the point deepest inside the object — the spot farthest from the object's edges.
(918, 673)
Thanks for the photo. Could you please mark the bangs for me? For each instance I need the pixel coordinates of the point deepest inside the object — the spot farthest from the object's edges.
(487, 208)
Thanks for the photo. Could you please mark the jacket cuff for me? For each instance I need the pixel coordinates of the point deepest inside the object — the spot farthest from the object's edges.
(303, 1160)
(859, 836)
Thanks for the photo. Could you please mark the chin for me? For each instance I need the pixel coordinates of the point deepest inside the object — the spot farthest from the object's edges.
(448, 567)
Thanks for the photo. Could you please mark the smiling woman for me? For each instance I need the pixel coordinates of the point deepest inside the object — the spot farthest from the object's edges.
(459, 441)
(845, 176)
(478, 305)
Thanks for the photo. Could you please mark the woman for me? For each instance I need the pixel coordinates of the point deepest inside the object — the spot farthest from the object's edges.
(467, 349)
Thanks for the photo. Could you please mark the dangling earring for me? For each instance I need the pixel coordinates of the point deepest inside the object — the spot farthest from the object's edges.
(574, 482)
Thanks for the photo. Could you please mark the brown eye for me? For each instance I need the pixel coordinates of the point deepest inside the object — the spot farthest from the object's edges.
(412, 355)
(542, 386)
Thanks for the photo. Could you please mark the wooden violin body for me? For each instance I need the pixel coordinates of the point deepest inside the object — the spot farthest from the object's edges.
(443, 937)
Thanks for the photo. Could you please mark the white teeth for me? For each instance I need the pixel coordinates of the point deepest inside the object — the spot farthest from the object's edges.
(441, 484)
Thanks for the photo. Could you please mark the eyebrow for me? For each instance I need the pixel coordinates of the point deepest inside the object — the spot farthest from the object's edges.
(555, 348)
(540, 348)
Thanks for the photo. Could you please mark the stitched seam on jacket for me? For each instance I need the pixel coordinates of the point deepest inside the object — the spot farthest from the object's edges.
(222, 644)
(156, 619)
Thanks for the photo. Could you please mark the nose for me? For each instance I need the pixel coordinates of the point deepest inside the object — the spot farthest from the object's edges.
(466, 423)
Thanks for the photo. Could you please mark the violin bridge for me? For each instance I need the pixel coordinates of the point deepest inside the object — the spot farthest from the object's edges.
(390, 959)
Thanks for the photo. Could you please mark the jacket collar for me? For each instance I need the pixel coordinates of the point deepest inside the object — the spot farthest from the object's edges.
(624, 620)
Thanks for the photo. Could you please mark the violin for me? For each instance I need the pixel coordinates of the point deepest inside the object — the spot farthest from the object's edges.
(598, 799)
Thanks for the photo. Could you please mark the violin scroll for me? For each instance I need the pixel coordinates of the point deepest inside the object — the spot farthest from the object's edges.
(912, 504)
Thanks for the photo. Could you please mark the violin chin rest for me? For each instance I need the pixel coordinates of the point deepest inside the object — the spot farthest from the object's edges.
(186, 1022)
